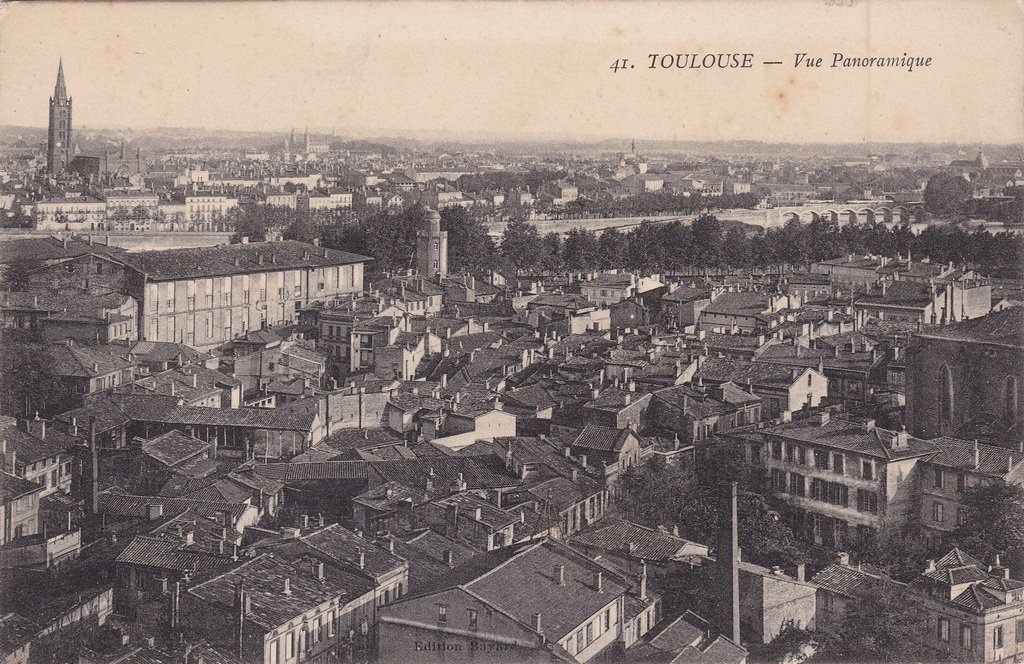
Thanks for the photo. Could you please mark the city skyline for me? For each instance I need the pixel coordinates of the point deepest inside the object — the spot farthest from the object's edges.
(553, 58)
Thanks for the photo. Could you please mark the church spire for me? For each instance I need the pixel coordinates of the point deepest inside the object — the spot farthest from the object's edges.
(60, 93)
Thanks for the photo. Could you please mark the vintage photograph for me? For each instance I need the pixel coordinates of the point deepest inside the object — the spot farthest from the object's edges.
(552, 332)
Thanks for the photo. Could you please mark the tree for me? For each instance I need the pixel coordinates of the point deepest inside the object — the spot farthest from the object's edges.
(946, 194)
(520, 244)
(470, 248)
(659, 494)
(707, 239)
(581, 250)
(993, 523)
(882, 624)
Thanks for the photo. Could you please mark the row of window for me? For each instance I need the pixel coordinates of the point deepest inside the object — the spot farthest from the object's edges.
(822, 459)
(967, 634)
(829, 492)
(585, 635)
(939, 514)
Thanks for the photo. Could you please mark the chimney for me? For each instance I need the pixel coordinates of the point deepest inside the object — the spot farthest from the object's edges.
(320, 570)
(155, 511)
(536, 624)
(643, 579)
(727, 568)
(287, 586)
(977, 455)
(930, 566)
(599, 582)
(449, 560)
(560, 574)
(362, 559)
(801, 572)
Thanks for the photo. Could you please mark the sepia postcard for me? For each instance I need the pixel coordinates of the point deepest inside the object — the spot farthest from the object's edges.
(545, 331)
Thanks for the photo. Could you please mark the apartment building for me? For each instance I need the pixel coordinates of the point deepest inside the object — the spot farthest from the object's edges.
(840, 479)
(207, 296)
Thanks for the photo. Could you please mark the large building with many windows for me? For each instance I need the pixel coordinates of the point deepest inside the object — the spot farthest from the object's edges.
(207, 296)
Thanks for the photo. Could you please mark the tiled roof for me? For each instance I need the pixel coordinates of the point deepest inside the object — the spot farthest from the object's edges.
(739, 304)
(220, 260)
(956, 558)
(345, 547)
(168, 554)
(954, 576)
(257, 418)
(1002, 327)
(650, 544)
(122, 504)
(977, 598)
(173, 447)
(486, 472)
(322, 470)
(959, 454)
(852, 437)
(848, 581)
(720, 369)
(602, 439)
(12, 486)
(263, 578)
(33, 447)
(525, 585)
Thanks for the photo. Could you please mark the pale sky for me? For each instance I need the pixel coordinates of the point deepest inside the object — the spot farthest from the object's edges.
(523, 68)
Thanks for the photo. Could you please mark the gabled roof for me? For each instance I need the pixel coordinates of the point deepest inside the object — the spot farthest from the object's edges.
(602, 439)
(647, 543)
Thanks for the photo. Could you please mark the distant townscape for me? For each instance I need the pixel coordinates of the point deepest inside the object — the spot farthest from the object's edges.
(294, 398)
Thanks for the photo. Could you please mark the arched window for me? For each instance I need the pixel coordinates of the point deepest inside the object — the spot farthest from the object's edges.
(1010, 399)
(946, 394)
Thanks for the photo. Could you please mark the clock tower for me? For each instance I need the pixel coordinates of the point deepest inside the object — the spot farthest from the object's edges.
(58, 143)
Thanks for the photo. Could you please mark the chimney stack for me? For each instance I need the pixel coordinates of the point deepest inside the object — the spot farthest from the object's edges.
(560, 574)
(727, 565)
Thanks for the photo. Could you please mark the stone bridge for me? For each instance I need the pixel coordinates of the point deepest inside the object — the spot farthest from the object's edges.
(856, 212)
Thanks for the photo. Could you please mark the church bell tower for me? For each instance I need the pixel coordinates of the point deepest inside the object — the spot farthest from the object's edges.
(58, 137)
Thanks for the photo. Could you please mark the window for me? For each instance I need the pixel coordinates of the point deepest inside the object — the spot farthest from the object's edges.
(809, 377)
(1020, 631)
(170, 305)
(938, 478)
(579, 641)
(961, 482)
(867, 501)
(289, 645)
(473, 618)
(791, 453)
(314, 631)
(442, 613)
(245, 297)
(190, 303)
(330, 624)
(997, 637)
(838, 463)
(944, 629)
(801, 456)
(937, 512)
(777, 450)
(273, 651)
(796, 484)
(778, 480)
(830, 602)
(590, 633)
(867, 470)
(966, 635)
(821, 459)
(607, 619)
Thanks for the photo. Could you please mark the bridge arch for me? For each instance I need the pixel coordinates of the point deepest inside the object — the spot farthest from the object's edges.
(847, 216)
(883, 214)
(865, 216)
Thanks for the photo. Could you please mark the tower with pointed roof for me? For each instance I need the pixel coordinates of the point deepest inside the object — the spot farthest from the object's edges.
(58, 137)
